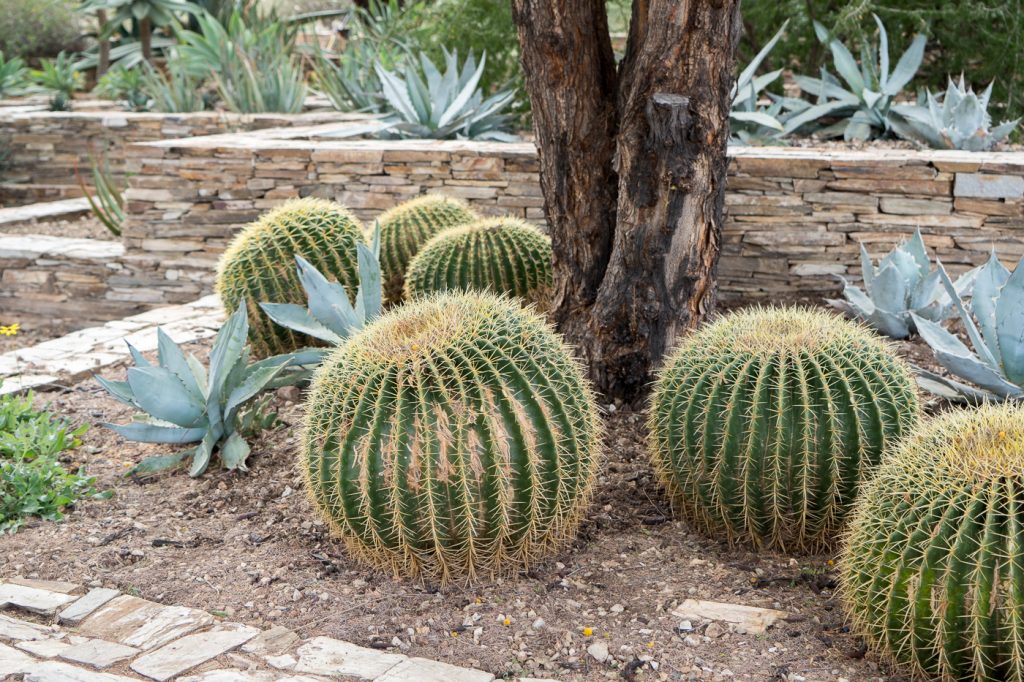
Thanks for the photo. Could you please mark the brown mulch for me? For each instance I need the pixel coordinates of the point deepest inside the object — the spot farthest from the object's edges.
(249, 545)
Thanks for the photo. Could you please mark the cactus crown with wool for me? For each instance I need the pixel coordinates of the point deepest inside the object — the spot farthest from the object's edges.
(259, 264)
(407, 227)
(500, 255)
(454, 436)
(933, 568)
(764, 424)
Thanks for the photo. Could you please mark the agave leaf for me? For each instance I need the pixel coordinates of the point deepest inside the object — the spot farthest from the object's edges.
(906, 67)
(870, 97)
(958, 359)
(813, 113)
(202, 454)
(370, 296)
(825, 89)
(846, 65)
(989, 281)
(866, 268)
(883, 53)
(857, 128)
(137, 356)
(1010, 325)
(395, 92)
(228, 348)
(952, 390)
(171, 357)
(154, 465)
(972, 330)
(757, 117)
(198, 372)
(468, 88)
(748, 73)
(328, 301)
(160, 393)
(253, 383)
(1002, 131)
(234, 452)
(300, 319)
(120, 390)
(889, 288)
(916, 248)
(153, 433)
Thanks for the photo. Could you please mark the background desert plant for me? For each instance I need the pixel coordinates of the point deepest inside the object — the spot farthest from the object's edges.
(33, 29)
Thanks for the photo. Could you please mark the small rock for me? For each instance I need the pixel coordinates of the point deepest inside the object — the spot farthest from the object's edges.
(714, 631)
(685, 626)
(691, 641)
(617, 608)
(538, 624)
(599, 651)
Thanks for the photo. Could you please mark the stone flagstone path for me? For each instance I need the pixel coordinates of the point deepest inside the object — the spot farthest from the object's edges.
(63, 632)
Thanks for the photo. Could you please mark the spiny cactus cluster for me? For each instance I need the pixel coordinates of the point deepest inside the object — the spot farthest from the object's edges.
(454, 436)
(500, 255)
(259, 264)
(407, 227)
(933, 568)
(764, 424)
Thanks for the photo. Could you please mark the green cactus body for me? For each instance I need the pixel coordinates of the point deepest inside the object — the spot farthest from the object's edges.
(259, 264)
(500, 255)
(764, 424)
(407, 227)
(455, 436)
(932, 573)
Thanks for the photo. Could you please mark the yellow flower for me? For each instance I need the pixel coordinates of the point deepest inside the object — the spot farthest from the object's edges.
(650, 645)
(507, 621)
(588, 632)
(9, 330)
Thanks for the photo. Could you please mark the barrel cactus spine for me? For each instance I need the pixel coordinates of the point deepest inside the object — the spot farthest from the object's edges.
(407, 227)
(764, 424)
(456, 436)
(259, 264)
(500, 255)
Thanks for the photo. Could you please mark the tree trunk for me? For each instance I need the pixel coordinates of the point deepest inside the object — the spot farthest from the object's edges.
(632, 169)
(146, 38)
(104, 44)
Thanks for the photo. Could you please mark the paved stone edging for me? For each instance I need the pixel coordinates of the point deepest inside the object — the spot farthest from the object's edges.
(78, 354)
(48, 210)
(101, 635)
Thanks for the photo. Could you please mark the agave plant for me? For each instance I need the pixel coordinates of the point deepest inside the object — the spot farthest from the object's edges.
(748, 122)
(995, 360)
(124, 84)
(60, 79)
(330, 316)
(13, 76)
(175, 91)
(445, 106)
(902, 283)
(960, 121)
(108, 204)
(183, 403)
(862, 106)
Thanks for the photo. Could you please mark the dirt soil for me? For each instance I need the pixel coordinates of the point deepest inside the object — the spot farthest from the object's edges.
(248, 545)
(28, 334)
(86, 227)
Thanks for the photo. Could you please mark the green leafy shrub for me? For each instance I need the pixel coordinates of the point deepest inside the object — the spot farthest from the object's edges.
(259, 264)
(500, 255)
(408, 226)
(173, 90)
(182, 402)
(126, 85)
(932, 573)
(32, 29)
(60, 79)
(33, 483)
(765, 423)
(14, 76)
(454, 436)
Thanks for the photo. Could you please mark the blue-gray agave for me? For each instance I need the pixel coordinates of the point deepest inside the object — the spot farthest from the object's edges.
(903, 283)
(748, 122)
(995, 361)
(183, 403)
(960, 121)
(862, 106)
(331, 317)
(445, 106)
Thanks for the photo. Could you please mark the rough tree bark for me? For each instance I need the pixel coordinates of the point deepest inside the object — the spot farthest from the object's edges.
(633, 167)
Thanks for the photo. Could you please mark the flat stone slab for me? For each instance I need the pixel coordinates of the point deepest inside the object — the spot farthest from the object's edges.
(13, 662)
(750, 620)
(277, 640)
(47, 209)
(142, 624)
(22, 630)
(74, 613)
(333, 657)
(425, 670)
(51, 585)
(188, 652)
(232, 676)
(33, 599)
(44, 648)
(98, 653)
(52, 671)
(985, 186)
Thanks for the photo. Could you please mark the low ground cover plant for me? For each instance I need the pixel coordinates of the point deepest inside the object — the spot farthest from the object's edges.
(33, 480)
